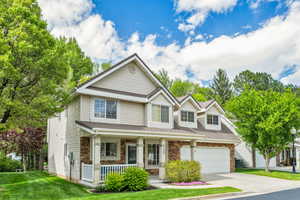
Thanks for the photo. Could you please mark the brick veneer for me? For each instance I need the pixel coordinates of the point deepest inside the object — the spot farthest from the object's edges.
(85, 150)
(174, 150)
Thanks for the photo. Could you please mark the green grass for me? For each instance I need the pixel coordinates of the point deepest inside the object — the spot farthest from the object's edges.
(274, 174)
(37, 185)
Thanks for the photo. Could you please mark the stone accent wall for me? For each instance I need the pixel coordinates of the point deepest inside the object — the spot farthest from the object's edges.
(85, 150)
(174, 150)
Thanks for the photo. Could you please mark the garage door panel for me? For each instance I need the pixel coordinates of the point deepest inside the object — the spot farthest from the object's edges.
(212, 160)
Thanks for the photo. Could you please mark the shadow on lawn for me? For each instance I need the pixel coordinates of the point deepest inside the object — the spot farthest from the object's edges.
(38, 185)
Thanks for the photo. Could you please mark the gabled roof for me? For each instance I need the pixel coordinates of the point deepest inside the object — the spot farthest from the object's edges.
(186, 98)
(123, 63)
(210, 103)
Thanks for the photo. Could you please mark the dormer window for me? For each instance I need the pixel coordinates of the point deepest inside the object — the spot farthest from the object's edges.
(212, 119)
(160, 113)
(187, 116)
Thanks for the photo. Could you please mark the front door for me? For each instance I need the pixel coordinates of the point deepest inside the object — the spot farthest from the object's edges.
(131, 154)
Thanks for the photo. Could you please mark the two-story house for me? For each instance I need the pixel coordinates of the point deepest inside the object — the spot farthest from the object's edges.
(124, 117)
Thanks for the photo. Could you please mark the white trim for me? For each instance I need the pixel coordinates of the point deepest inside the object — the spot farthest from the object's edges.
(141, 64)
(193, 101)
(112, 95)
(218, 107)
(126, 151)
(104, 119)
(164, 94)
(146, 154)
(111, 140)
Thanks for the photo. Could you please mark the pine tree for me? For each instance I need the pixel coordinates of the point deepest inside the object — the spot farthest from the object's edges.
(221, 87)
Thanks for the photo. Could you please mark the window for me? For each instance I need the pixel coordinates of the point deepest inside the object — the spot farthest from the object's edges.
(187, 116)
(160, 113)
(153, 154)
(105, 109)
(109, 149)
(213, 119)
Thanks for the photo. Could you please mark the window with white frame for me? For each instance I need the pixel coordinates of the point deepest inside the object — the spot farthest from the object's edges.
(153, 155)
(104, 108)
(212, 119)
(160, 113)
(109, 150)
(187, 116)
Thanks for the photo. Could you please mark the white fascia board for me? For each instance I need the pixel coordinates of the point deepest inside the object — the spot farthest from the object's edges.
(155, 79)
(112, 95)
(146, 133)
(163, 93)
(108, 72)
(220, 141)
(219, 107)
(193, 101)
(86, 129)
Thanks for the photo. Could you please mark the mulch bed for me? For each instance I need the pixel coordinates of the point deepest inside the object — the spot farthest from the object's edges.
(109, 192)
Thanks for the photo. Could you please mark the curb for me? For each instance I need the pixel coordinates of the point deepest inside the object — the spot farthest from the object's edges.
(213, 196)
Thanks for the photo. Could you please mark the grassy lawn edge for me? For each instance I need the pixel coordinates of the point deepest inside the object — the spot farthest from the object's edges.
(273, 173)
(37, 185)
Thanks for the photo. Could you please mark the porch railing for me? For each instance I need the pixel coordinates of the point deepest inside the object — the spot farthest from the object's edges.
(87, 172)
(106, 169)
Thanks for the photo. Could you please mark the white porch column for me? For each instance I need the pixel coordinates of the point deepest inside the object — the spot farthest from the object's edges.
(96, 158)
(162, 158)
(140, 152)
(193, 149)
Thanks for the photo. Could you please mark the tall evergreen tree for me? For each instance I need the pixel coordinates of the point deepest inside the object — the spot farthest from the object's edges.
(221, 87)
(164, 78)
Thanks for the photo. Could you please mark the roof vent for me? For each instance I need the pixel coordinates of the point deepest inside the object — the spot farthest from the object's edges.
(132, 69)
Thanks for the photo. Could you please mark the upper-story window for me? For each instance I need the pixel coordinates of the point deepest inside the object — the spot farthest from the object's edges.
(212, 119)
(187, 116)
(160, 113)
(104, 108)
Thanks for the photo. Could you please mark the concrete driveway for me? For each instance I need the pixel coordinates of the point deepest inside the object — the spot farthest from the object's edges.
(251, 183)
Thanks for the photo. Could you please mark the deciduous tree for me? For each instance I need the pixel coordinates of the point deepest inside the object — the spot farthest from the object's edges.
(37, 71)
(264, 119)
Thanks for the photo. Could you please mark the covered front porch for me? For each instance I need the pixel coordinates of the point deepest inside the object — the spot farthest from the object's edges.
(101, 155)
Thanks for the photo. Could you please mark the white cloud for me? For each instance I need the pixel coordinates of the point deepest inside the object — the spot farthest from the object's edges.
(200, 9)
(275, 45)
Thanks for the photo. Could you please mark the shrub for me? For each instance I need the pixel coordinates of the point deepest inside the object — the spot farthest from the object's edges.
(135, 179)
(114, 182)
(100, 188)
(9, 165)
(183, 171)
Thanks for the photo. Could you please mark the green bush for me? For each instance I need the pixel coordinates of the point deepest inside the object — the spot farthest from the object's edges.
(114, 182)
(9, 165)
(135, 179)
(100, 188)
(183, 171)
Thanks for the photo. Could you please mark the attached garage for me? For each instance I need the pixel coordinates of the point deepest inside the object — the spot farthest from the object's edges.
(212, 159)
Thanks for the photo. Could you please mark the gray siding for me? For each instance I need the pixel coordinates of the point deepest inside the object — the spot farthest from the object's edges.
(129, 78)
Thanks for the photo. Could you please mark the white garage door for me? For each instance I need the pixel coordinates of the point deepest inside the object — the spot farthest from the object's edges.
(212, 160)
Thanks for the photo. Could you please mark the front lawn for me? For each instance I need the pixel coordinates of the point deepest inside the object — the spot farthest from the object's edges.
(274, 174)
(37, 185)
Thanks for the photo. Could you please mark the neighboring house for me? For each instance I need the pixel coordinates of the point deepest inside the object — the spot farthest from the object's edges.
(125, 117)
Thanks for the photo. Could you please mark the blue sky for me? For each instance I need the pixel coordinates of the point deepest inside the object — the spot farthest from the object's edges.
(160, 17)
(189, 38)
